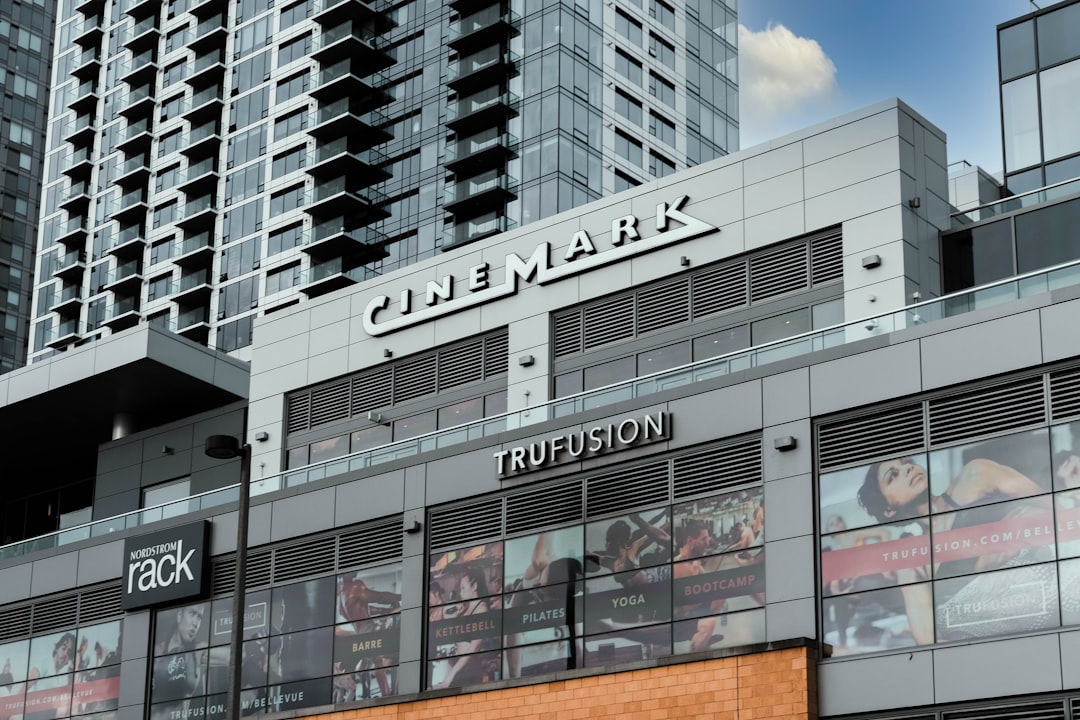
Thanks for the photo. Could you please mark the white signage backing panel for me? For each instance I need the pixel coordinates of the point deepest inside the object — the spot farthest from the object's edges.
(166, 566)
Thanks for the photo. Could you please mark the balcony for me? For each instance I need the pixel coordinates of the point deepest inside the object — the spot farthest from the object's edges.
(75, 198)
(349, 117)
(197, 213)
(346, 78)
(133, 206)
(194, 288)
(122, 313)
(134, 171)
(467, 7)
(143, 35)
(202, 105)
(67, 300)
(89, 8)
(210, 33)
(204, 9)
(202, 140)
(73, 232)
(77, 164)
(199, 177)
(139, 102)
(330, 12)
(136, 137)
(87, 64)
(333, 239)
(88, 32)
(140, 69)
(352, 39)
(63, 333)
(492, 25)
(477, 153)
(125, 278)
(80, 131)
(140, 9)
(207, 69)
(195, 251)
(70, 266)
(476, 196)
(128, 242)
(333, 275)
(193, 323)
(485, 68)
(475, 229)
(347, 156)
(483, 110)
(346, 196)
(84, 98)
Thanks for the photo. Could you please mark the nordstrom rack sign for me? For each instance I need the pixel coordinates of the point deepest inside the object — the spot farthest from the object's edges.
(166, 566)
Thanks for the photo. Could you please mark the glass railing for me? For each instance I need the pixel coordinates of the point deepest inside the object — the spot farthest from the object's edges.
(133, 130)
(139, 162)
(67, 328)
(123, 271)
(333, 267)
(324, 5)
(75, 191)
(479, 61)
(65, 294)
(132, 197)
(340, 185)
(475, 186)
(80, 123)
(476, 228)
(76, 224)
(196, 242)
(195, 279)
(194, 316)
(330, 228)
(208, 26)
(480, 20)
(121, 307)
(210, 94)
(127, 235)
(363, 32)
(140, 93)
(138, 62)
(143, 26)
(344, 68)
(207, 61)
(472, 104)
(200, 133)
(84, 90)
(473, 145)
(74, 158)
(325, 151)
(87, 56)
(68, 260)
(203, 167)
(340, 107)
(196, 206)
(1016, 202)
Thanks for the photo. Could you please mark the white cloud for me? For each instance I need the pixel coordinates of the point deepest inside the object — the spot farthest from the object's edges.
(781, 77)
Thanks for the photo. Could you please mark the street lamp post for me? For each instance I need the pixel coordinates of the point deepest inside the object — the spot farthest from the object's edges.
(227, 447)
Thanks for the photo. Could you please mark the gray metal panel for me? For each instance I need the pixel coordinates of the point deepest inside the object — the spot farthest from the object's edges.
(789, 569)
(716, 414)
(101, 562)
(412, 633)
(133, 681)
(1060, 339)
(55, 573)
(789, 462)
(413, 570)
(789, 508)
(414, 543)
(414, 486)
(180, 438)
(785, 397)
(865, 378)
(223, 530)
(166, 466)
(370, 497)
(461, 476)
(995, 669)
(879, 683)
(792, 619)
(117, 481)
(136, 635)
(302, 514)
(977, 351)
(1070, 659)
(217, 476)
(120, 455)
(15, 583)
(117, 504)
(409, 674)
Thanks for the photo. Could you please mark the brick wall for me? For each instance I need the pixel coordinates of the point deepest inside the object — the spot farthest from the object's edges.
(775, 684)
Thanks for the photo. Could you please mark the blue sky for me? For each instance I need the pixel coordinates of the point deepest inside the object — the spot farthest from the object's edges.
(939, 56)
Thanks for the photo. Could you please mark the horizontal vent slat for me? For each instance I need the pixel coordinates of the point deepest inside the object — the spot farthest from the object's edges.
(461, 365)
(461, 525)
(315, 557)
(717, 469)
(1001, 407)
(414, 379)
(1054, 710)
(663, 306)
(609, 321)
(1064, 394)
(15, 623)
(496, 361)
(778, 273)
(100, 604)
(630, 487)
(299, 412)
(55, 614)
(370, 545)
(719, 290)
(826, 259)
(567, 332)
(329, 404)
(869, 438)
(372, 391)
(544, 507)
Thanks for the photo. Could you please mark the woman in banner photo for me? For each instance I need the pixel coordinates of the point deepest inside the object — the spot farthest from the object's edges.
(899, 489)
(462, 667)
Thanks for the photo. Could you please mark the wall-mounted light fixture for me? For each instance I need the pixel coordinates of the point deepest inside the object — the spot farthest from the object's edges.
(871, 261)
(387, 352)
(684, 261)
(413, 527)
(785, 443)
(262, 436)
(526, 361)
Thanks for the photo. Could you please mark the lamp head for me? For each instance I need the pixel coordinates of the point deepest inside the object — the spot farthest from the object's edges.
(222, 447)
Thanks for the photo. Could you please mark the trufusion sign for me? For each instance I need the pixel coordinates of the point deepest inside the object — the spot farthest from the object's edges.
(166, 566)
(571, 447)
(581, 255)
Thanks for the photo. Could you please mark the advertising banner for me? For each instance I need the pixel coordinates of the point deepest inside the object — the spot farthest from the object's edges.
(166, 566)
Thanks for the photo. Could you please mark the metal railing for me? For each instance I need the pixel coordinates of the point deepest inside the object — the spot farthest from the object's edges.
(1016, 202)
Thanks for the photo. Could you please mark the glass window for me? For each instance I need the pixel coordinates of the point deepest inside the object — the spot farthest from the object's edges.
(495, 404)
(977, 256)
(1016, 50)
(628, 27)
(660, 166)
(329, 448)
(1047, 236)
(1058, 32)
(1020, 109)
(627, 107)
(568, 384)
(627, 148)
(724, 341)
(663, 358)
(663, 14)
(167, 492)
(1062, 170)
(370, 437)
(779, 327)
(628, 67)
(460, 413)
(409, 427)
(611, 372)
(1026, 181)
(662, 128)
(828, 313)
(1060, 96)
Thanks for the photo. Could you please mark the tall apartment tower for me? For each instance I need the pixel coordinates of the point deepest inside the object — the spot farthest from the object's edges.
(210, 161)
(26, 37)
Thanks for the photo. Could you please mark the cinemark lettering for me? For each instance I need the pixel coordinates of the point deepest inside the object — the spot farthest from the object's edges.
(581, 255)
(161, 566)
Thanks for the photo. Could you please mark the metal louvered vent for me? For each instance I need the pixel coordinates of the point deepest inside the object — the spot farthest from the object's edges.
(1064, 394)
(257, 570)
(826, 259)
(372, 391)
(55, 614)
(609, 321)
(717, 469)
(496, 359)
(778, 272)
(567, 333)
(868, 438)
(1000, 407)
(545, 506)
(222, 576)
(460, 525)
(15, 623)
(315, 557)
(627, 488)
(461, 364)
(99, 604)
(723, 288)
(662, 306)
(414, 378)
(370, 545)
(256, 573)
(1050, 710)
(299, 412)
(330, 403)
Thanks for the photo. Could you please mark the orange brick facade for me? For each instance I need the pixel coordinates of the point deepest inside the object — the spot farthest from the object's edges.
(775, 684)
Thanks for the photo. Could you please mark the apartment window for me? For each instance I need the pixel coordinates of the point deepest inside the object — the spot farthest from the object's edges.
(285, 239)
(238, 297)
(624, 181)
(288, 162)
(243, 220)
(663, 14)
(295, 13)
(173, 74)
(250, 8)
(628, 27)
(235, 335)
(252, 36)
(660, 166)
(253, 71)
(246, 146)
(662, 128)
(664, 51)
(627, 148)
(165, 214)
(244, 184)
(282, 278)
(662, 89)
(290, 124)
(251, 108)
(240, 258)
(159, 287)
(291, 87)
(169, 143)
(168, 178)
(294, 50)
(287, 200)
(627, 107)
(171, 107)
(627, 67)
(171, 492)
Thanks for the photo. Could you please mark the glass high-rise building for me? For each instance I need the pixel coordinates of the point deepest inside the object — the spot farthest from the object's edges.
(211, 161)
(26, 35)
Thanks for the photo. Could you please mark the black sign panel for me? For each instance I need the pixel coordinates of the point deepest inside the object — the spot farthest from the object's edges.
(166, 566)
